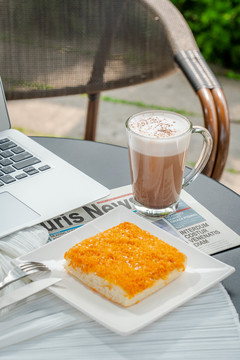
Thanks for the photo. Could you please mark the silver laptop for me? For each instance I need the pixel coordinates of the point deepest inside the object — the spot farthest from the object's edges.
(35, 184)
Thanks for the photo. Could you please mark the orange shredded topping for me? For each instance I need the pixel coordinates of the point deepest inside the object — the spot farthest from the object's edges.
(127, 256)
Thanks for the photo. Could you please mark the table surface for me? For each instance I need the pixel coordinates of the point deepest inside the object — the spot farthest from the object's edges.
(109, 165)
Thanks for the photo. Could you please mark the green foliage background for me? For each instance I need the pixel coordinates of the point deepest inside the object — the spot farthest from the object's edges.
(216, 27)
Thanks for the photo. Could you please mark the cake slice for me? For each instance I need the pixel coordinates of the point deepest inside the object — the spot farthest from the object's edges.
(125, 263)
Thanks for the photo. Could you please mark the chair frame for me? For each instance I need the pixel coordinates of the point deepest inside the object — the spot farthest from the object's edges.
(184, 54)
(188, 58)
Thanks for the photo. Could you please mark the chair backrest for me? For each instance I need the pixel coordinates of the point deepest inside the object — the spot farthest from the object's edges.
(63, 47)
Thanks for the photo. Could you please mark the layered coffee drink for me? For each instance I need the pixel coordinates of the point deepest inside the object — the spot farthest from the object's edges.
(158, 145)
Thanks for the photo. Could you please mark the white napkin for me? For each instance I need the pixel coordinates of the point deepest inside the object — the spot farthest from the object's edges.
(15, 245)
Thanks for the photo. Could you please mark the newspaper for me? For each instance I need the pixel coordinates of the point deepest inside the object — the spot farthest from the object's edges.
(192, 222)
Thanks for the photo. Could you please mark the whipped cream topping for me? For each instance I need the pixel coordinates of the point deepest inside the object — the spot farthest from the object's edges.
(158, 125)
(159, 133)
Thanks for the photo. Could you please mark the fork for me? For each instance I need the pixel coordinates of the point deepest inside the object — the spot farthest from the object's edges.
(22, 270)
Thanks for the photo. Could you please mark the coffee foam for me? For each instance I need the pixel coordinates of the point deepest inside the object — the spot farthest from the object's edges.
(158, 125)
(157, 134)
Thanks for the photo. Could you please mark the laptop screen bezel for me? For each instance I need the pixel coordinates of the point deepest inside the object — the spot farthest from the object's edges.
(4, 116)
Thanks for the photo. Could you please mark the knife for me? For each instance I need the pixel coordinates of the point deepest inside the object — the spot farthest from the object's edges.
(26, 291)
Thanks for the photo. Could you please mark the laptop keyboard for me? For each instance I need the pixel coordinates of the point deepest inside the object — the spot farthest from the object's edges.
(16, 163)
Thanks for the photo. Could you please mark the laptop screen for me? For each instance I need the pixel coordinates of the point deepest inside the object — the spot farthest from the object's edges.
(4, 117)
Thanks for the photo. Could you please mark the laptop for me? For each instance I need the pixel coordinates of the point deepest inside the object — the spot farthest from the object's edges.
(35, 184)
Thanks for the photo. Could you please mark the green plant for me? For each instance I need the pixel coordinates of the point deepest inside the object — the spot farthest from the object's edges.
(216, 27)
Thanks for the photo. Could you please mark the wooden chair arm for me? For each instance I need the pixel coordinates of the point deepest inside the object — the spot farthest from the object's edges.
(210, 122)
(223, 132)
(214, 105)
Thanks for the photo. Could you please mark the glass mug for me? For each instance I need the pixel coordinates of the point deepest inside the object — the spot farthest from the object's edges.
(158, 143)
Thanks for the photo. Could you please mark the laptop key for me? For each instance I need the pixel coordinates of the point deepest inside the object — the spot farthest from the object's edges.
(32, 172)
(5, 162)
(7, 169)
(1, 184)
(7, 179)
(21, 176)
(2, 141)
(44, 167)
(22, 156)
(7, 145)
(29, 168)
(17, 150)
(6, 153)
(25, 163)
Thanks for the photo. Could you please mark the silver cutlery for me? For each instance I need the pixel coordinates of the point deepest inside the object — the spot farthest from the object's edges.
(27, 290)
(22, 270)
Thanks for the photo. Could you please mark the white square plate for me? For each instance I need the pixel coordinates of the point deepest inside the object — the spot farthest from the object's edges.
(202, 272)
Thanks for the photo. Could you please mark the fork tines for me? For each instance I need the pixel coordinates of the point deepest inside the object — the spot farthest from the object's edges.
(32, 265)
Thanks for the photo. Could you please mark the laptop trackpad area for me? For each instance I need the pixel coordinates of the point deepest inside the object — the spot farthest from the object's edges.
(14, 213)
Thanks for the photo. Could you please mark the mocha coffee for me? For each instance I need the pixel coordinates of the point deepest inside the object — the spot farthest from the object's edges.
(158, 144)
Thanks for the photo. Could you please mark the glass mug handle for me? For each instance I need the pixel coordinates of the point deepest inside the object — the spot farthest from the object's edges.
(204, 156)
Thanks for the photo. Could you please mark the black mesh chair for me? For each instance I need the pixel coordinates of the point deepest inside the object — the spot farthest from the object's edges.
(63, 47)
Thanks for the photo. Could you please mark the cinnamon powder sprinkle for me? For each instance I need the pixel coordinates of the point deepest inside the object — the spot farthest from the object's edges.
(154, 127)
(127, 256)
